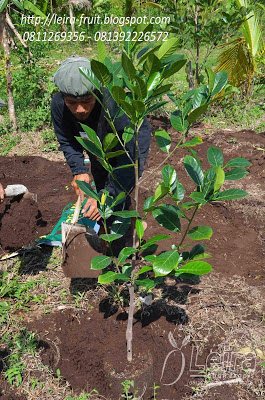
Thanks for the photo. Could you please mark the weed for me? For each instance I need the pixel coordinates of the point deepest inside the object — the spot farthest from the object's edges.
(84, 396)
(49, 141)
(18, 345)
(127, 390)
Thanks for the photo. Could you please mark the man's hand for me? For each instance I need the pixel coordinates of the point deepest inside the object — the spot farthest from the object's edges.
(80, 177)
(2, 193)
(90, 210)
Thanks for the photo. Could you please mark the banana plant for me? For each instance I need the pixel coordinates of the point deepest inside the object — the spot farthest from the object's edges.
(239, 56)
(137, 83)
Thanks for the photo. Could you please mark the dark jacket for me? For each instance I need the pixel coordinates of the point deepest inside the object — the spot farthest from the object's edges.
(66, 127)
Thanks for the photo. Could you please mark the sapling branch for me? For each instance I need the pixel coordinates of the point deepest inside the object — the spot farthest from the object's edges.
(188, 226)
(167, 157)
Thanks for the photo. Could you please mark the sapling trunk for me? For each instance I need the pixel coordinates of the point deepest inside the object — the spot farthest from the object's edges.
(129, 331)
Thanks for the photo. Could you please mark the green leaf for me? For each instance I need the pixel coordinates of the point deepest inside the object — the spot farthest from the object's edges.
(147, 284)
(193, 142)
(199, 197)
(118, 94)
(110, 237)
(208, 182)
(156, 106)
(150, 258)
(145, 269)
(238, 162)
(215, 157)
(163, 140)
(90, 146)
(211, 78)
(196, 113)
(119, 199)
(107, 278)
(87, 189)
(220, 82)
(153, 81)
(200, 233)
(167, 216)
(139, 106)
(197, 250)
(139, 228)
(123, 167)
(167, 48)
(127, 269)
(101, 72)
(114, 154)
(102, 51)
(230, 194)
(165, 263)
(88, 74)
(126, 214)
(3, 4)
(160, 192)
(220, 178)
(125, 253)
(32, 8)
(153, 240)
(100, 262)
(178, 192)
(195, 268)
(162, 90)
(175, 67)
(110, 141)
(92, 136)
(148, 204)
(120, 225)
(128, 66)
(193, 169)
(151, 65)
(128, 109)
(169, 176)
(178, 122)
(127, 135)
(235, 174)
(140, 88)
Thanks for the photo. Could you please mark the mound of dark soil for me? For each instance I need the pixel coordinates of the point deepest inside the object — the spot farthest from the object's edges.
(87, 348)
(23, 220)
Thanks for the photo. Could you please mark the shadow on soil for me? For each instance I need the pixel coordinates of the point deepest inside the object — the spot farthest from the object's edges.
(34, 260)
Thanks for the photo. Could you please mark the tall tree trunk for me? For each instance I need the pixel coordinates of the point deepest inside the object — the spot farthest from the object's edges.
(189, 73)
(197, 43)
(72, 17)
(6, 46)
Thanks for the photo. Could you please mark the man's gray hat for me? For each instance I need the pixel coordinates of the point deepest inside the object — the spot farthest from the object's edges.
(69, 79)
(2, 103)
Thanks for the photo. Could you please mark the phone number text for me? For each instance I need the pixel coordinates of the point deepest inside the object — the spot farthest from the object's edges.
(98, 36)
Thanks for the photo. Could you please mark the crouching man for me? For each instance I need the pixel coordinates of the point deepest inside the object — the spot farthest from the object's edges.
(74, 104)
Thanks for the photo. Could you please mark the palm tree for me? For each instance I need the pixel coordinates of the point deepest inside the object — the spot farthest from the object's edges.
(239, 57)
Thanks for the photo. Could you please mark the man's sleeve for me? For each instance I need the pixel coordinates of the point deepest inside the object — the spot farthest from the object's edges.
(72, 150)
(123, 179)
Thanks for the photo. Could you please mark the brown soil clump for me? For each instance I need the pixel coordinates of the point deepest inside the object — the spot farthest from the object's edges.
(22, 220)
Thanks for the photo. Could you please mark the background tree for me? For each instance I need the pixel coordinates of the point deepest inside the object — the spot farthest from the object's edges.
(7, 32)
(202, 25)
